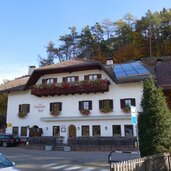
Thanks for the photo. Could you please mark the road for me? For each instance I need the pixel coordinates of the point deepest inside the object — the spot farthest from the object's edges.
(37, 160)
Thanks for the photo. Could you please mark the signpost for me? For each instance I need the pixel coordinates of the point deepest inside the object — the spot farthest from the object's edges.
(133, 115)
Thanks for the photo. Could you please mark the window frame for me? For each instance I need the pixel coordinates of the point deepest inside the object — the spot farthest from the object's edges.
(116, 135)
(21, 134)
(93, 129)
(85, 133)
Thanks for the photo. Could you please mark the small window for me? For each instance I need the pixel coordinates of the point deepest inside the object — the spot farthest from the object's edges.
(49, 81)
(15, 130)
(85, 131)
(92, 77)
(70, 79)
(116, 130)
(96, 130)
(127, 102)
(128, 130)
(23, 131)
(24, 108)
(56, 131)
(106, 105)
(55, 108)
(85, 105)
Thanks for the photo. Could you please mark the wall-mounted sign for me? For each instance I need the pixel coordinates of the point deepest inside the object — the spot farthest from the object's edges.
(40, 107)
(9, 124)
(63, 129)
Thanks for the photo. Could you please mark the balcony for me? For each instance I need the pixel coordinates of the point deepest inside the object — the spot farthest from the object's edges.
(66, 88)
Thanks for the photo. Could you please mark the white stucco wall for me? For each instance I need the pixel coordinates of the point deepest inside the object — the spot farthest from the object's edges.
(70, 106)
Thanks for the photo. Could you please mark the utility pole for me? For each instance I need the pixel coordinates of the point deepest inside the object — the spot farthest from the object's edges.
(150, 40)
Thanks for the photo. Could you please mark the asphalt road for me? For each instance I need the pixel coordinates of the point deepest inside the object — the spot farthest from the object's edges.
(37, 160)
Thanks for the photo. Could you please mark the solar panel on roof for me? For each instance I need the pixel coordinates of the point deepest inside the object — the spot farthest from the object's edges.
(130, 69)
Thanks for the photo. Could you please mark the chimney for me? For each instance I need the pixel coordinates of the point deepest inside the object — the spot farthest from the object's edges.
(109, 62)
(31, 69)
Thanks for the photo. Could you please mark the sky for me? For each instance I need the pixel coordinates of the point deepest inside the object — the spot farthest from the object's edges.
(27, 26)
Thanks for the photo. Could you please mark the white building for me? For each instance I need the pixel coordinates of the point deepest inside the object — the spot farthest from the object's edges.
(76, 98)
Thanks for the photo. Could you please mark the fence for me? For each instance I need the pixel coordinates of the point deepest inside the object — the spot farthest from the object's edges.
(159, 162)
(103, 143)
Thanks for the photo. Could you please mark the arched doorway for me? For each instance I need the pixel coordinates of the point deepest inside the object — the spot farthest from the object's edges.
(72, 131)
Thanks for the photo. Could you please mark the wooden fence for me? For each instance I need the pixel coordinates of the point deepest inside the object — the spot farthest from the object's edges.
(159, 162)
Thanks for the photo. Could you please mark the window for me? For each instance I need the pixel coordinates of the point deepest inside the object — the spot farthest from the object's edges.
(23, 131)
(85, 131)
(15, 130)
(49, 81)
(55, 108)
(85, 105)
(92, 77)
(116, 130)
(56, 131)
(24, 108)
(96, 130)
(106, 105)
(70, 79)
(128, 130)
(127, 102)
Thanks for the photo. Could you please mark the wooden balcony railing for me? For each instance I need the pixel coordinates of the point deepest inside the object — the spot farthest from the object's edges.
(65, 88)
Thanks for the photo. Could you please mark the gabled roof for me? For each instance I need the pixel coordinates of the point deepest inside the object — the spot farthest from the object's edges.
(15, 85)
(163, 74)
(73, 65)
(67, 66)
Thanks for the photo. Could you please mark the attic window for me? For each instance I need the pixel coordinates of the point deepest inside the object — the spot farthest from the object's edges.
(92, 77)
(49, 81)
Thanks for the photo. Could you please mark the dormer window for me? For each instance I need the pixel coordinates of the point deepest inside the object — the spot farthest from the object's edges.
(92, 77)
(49, 81)
(70, 79)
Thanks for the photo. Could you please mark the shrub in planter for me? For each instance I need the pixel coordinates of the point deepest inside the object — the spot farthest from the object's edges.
(55, 113)
(22, 114)
(85, 111)
(126, 109)
(106, 109)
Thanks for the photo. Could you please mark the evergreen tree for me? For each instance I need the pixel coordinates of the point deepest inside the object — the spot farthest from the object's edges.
(154, 123)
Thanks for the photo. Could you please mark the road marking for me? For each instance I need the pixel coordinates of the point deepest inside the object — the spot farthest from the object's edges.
(49, 165)
(73, 168)
(59, 167)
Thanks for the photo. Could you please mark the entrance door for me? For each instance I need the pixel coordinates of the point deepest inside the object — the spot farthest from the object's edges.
(72, 131)
(56, 131)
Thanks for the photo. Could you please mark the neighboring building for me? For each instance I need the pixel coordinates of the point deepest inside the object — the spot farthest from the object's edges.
(163, 77)
(76, 98)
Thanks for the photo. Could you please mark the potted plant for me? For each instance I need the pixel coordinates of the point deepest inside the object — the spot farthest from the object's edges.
(106, 108)
(22, 114)
(126, 109)
(85, 111)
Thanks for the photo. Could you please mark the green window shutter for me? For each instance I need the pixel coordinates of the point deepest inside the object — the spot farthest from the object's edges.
(99, 76)
(28, 108)
(64, 79)
(60, 106)
(122, 103)
(19, 108)
(43, 81)
(55, 80)
(111, 104)
(51, 107)
(86, 77)
(133, 103)
(80, 105)
(100, 104)
(90, 105)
